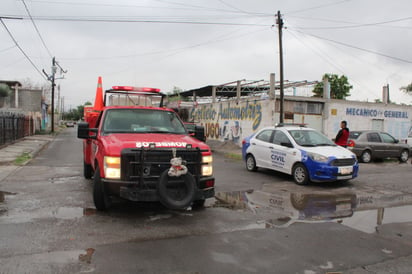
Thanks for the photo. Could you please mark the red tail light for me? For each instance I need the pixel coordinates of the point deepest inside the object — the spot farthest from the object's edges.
(351, 143)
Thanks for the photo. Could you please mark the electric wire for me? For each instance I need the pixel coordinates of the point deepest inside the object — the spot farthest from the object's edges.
(317, 7)
(37, 30)
(363, 25)
(20, 48)
(88, 19)
(358, 48)
(323, 55)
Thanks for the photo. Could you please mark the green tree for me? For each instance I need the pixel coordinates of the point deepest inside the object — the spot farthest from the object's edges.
(76, 113)
(4, 90)
(339, 87)
(407, 89)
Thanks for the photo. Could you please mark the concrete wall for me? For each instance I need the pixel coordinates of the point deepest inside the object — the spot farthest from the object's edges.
(231, 120)
(234, 120)
(29, 99)
(395, 119)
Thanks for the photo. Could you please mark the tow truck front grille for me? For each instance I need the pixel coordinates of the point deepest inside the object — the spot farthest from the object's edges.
(147, 164)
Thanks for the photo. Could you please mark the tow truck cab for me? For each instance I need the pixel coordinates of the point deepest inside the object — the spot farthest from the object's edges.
(142, 152)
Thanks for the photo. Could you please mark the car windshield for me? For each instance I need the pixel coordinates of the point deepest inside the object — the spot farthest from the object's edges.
(142, 121)
(310, 138)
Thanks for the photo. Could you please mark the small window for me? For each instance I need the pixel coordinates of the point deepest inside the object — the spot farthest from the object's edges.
(387, 138)
(265, 135)
(280, 137)
(374, 137)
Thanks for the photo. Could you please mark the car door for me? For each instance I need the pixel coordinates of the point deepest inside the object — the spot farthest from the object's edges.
(260, 148)
(376, 144)
(282, 152)
(391, 146)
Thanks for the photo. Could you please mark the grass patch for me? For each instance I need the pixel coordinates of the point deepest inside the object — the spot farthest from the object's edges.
(235, 156)
(22, 159)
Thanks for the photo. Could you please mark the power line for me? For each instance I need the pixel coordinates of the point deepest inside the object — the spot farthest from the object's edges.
(358, 48)
(22, 51)
(317, 7)
(88, 19)
(37, 30)
(181, 6)
(361, 25)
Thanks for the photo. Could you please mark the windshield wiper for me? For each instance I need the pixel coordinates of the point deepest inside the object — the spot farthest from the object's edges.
(325, 145)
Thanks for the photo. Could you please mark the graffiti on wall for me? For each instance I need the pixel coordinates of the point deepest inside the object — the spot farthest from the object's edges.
(225, 121)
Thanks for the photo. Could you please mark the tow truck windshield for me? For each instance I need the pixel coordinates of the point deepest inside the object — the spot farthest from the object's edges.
(142, 121)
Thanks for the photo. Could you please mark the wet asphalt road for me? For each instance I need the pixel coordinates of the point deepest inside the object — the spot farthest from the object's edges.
(261, 223)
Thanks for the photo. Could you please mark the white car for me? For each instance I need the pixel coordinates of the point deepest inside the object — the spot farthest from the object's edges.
(305, 153)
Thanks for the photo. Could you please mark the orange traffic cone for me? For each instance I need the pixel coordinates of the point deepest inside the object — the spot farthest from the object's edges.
(98, 101)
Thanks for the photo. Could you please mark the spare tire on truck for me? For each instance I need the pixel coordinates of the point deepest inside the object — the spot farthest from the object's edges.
(176, 192)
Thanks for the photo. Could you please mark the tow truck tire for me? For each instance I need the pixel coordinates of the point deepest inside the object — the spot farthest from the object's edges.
(100, 197)
(300, 174)
(87, 171)
(178, 197)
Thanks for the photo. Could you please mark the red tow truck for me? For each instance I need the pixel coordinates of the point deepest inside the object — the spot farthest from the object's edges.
(136, 149)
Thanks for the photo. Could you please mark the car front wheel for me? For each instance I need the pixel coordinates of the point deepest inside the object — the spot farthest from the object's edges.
(300, 174)
(404, 156)
(251, 163)
(366, 156)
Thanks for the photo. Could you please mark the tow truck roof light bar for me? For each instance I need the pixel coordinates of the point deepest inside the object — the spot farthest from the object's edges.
(137, 89)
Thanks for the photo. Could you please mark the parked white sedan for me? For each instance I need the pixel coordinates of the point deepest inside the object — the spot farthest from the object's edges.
(305, 153)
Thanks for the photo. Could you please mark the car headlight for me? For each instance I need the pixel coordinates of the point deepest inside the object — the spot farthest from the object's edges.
(207, 169)
(318, 157)
(112, 167)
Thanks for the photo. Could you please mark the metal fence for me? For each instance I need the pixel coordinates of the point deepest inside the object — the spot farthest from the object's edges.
(14, 126)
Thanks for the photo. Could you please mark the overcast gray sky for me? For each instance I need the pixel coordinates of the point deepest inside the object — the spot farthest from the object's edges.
(194, 43)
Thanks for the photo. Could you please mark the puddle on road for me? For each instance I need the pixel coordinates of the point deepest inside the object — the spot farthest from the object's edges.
(364, 211)
(63, 213)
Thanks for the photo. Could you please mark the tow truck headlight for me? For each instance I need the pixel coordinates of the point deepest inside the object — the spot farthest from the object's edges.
(112, 167)
(318, 157)
(207, 169)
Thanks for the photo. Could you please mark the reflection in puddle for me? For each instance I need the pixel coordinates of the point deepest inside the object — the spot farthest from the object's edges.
(363, 210)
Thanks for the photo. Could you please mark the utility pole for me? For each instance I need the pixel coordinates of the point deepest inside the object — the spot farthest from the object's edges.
(279, 21)
(52, 79)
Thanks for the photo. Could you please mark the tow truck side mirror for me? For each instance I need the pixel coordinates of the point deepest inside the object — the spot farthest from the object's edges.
(200, 133)
(83, 131)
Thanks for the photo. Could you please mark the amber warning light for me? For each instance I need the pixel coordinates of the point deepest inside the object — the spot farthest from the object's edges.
(136, 89)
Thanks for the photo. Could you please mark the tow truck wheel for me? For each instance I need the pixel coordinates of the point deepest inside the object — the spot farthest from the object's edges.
(300, 174)
(176, 192)
(100, 197)
(87, 171)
